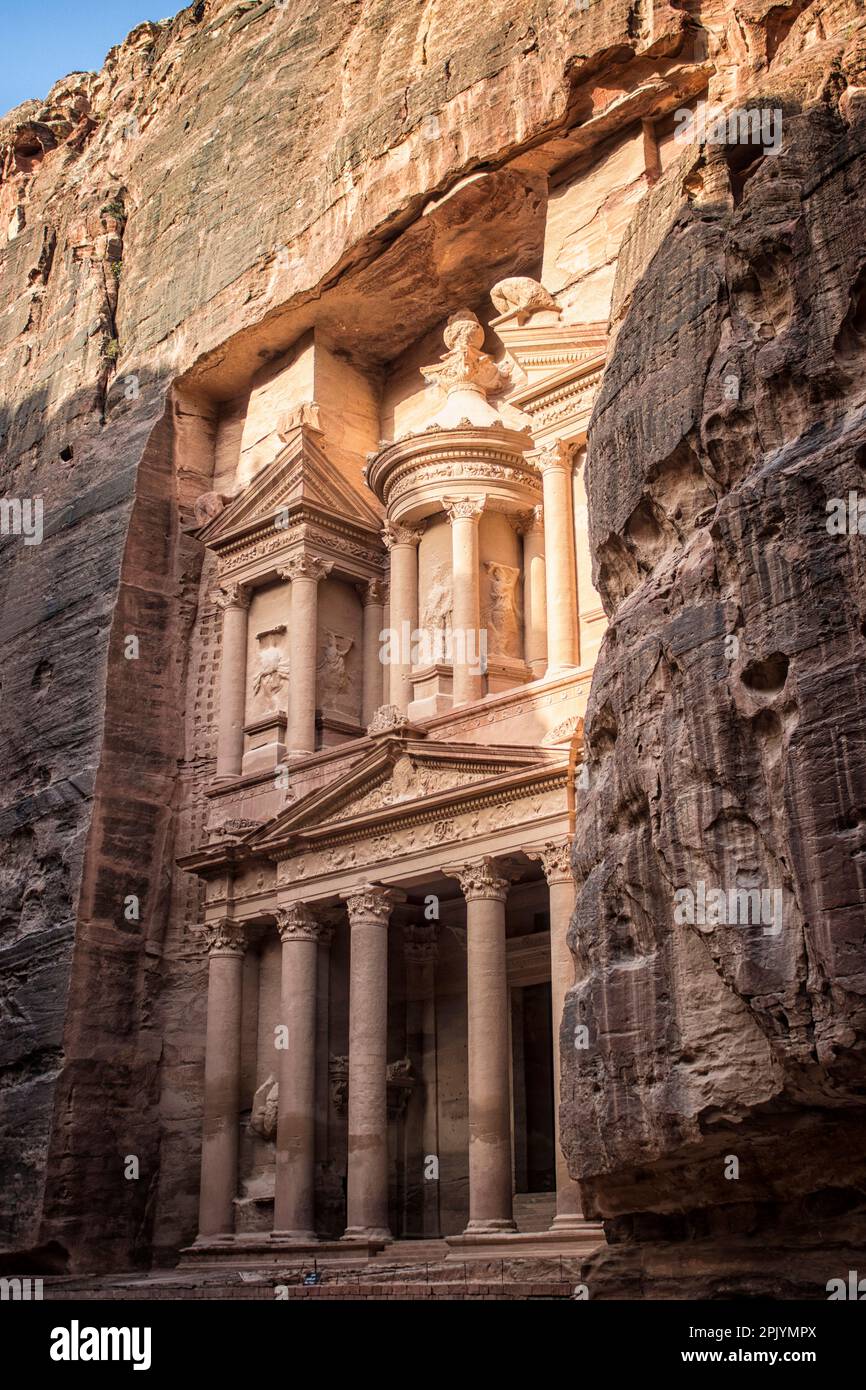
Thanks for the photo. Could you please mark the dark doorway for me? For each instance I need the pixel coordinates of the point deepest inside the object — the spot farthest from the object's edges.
(532, 1053)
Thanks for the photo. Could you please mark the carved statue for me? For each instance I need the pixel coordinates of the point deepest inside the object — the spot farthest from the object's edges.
(273, 667)
(503, 624)
(263, 1117)
(464, 365)
(207, 506)
(523, 294)
(436, 614)
(333, 678)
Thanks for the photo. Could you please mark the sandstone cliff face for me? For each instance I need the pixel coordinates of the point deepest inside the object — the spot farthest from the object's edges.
(726, 730)
(173, 222)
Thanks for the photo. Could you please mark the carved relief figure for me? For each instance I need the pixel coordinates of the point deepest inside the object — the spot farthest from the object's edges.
(503, 622)
(263, 1116)
(521, 293)
(436, 617)
(272, 668)
(333, 677)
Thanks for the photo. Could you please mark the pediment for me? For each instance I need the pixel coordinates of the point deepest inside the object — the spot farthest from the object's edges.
(399, 777)
(300, 477)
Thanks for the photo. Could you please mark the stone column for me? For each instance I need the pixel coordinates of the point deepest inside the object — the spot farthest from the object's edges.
(234, 600)
(420, 951)
(294, 1191)
(226, 945)
(402, 541)
(369, 910)
(490, 1180)
(555, 465)
(373, 596)
(534, 593)
(463, 514)
(304, 571)
(556, 860)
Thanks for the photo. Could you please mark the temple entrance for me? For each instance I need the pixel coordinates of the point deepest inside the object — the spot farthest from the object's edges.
(532, 1089)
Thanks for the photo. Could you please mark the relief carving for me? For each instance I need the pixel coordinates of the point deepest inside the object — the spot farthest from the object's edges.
(333, 677)
(272, 668)
(503, 621)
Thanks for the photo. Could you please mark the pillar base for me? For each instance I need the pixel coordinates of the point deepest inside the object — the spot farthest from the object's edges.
(295, 1237)
(571, 1221)
(364, 1234)
(492, 1227)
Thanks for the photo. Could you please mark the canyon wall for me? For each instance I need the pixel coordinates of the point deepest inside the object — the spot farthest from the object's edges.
(715, 1102)
(173, 224)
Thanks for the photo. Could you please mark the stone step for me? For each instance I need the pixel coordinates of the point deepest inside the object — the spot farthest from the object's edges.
(344, 1289)
(534, 1211)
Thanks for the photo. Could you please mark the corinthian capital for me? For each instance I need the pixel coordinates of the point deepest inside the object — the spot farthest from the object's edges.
(463, 508)
(232, 596)
(374, 591)
(295, 922)
(225, 937)
(306, 567)
(556, 456)
(371, 903)
(479, 879)
(393, 534)
(555, 859)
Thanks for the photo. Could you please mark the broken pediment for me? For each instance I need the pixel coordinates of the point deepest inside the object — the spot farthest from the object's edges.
(301, 479)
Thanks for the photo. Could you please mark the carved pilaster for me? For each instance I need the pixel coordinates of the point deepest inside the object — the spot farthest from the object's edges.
(420, 943)
(374, 592)
(232, 596)
(556, 861)
(556, 456)
(393, 534)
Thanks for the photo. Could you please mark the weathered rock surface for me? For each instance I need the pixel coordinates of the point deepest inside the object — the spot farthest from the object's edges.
(726, 730)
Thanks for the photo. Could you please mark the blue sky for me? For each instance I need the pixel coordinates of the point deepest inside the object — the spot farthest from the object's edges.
(41, 40)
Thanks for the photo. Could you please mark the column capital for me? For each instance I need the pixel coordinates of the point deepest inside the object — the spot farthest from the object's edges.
(463, 508)
(225, 937)
(232, 596)
(525, 523)
(394, 534)
(306, 567)
(555, 457)
(371, 902)
(420, 943)
(295, 922)
(478, 879)
(373, 591)
(555, 859)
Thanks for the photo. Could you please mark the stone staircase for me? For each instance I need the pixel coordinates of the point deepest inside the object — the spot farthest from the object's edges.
(534, 1211)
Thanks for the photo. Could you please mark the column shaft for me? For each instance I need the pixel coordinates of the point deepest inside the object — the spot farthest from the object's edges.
(372, 687)
(294, 1193)
(367, 1181)
(556, 861)
(304, 571)
(222, 1073)
(490, 1172)
(560, 564)
(466, 611)
(403, 616)
(234, 602)
(534, 595)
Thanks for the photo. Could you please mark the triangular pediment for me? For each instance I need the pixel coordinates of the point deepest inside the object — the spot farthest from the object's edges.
(396, 778)
(301, 477)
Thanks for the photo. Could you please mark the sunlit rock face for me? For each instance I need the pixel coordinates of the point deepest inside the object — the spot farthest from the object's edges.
(248, 234)
(714, 1102)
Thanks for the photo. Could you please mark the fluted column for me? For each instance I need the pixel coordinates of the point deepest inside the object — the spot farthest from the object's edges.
(490, 1179)
(304, 571)
(556, 861)
(534, 592)
(420, 951)
(234, 601)
(369, 909)
(556, 467)
(226, 945)
(463, 514)
(373, 597)
(402, 541)
(294, 1191)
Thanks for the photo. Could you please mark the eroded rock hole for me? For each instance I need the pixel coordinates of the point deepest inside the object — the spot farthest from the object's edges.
(767, 676)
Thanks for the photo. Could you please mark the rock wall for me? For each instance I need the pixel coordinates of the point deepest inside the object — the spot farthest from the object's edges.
(714, 1106)
(234, 176)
